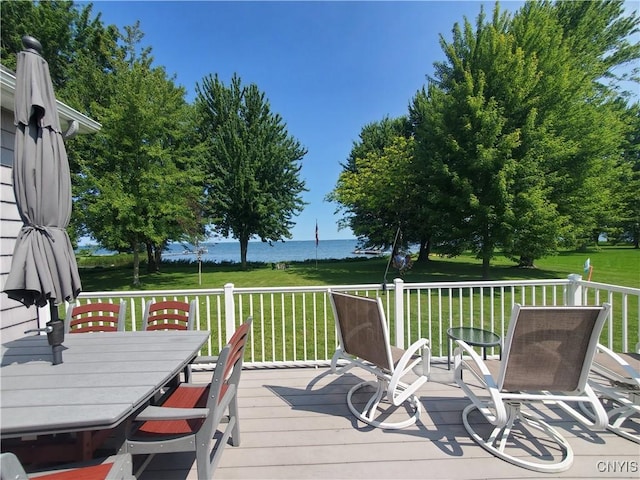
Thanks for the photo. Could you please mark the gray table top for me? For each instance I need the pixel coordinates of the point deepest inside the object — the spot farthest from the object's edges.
(103, 379)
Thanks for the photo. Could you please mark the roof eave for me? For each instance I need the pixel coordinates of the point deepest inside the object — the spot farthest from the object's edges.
(65, 112)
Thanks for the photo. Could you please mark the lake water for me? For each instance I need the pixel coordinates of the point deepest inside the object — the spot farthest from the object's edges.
(289, 251)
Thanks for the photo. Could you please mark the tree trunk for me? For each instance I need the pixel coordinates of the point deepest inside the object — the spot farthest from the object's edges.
(136, 264)
(525, 262)
(157, 254)
(486, 264)
(151, 267)
(244, 245)
(425, 250)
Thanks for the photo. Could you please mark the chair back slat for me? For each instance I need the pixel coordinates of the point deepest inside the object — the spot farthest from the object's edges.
(95, 317)
(548, 348)
(362, 329)
(229, 366)
(169, 315)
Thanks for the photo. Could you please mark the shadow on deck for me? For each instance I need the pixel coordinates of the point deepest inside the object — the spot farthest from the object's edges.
(295, 424)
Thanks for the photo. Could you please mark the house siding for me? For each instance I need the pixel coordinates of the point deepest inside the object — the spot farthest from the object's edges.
(15, 318)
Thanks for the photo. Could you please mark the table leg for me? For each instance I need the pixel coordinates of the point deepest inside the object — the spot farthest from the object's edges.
(448, 352)
(85, 445)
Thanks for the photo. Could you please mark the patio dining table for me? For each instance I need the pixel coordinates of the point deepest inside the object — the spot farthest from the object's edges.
(103, 380)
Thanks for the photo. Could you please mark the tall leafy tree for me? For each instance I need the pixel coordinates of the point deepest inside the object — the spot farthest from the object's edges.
(253, 180)
(377, 226)
(141, 181)
(53, 23)
(627, 228)
(381, 190)
(578, 129)
(81, 53)
(522, 136)
(477, 142)
(439, 210)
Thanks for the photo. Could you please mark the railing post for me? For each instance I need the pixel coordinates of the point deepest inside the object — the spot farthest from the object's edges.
(399, 311)
(229, 311)
(574, 290)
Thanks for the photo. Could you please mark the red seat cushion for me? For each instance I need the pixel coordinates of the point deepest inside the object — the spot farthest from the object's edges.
(95, 472)
(182, 397)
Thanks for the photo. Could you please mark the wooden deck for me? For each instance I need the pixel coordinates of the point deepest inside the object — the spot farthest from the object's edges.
(295, 424)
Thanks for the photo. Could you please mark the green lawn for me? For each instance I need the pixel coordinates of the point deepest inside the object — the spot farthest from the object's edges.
(612, 265)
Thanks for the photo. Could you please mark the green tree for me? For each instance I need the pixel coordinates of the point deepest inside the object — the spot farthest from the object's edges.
(628, 199)
(374, 227)
(252, 183)
(381, 189)
(142, 184)
(578, 130)
(439, 211)
(80, 51)
(53, 23)
(521, 135)
(477, 142)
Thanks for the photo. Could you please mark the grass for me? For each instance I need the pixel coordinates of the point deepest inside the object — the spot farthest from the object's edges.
(612, 265)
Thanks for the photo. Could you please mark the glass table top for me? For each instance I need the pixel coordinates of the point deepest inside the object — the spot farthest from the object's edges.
(474, 336)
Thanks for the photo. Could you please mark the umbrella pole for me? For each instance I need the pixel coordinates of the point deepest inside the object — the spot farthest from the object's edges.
(55, 333)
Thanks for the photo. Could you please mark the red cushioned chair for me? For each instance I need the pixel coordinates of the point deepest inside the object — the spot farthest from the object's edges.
(189, 417)
(117, 467)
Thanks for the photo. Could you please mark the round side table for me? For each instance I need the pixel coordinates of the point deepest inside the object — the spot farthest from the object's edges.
(475, 337)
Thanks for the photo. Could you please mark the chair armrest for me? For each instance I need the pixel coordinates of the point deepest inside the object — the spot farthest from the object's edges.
(170, 413)
(122, 468)
(398, 391)
(340, 354)
(622, 363)
(464, 347)
(409, 360)
(200, 359)
(485, 377)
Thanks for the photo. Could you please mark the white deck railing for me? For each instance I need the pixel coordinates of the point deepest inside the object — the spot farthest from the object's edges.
(295, 325)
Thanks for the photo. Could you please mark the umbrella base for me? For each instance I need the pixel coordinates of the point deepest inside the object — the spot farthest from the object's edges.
(55, 337)
(57, 354)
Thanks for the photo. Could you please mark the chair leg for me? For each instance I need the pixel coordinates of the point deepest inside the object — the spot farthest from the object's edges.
(624, 406)
(206, 463)
(497, 442)
(233, 414)
(370, 410)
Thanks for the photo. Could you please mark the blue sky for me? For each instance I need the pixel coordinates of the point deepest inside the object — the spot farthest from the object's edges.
(328, 68)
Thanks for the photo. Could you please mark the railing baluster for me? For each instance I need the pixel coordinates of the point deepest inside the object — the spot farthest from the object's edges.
(408, 316)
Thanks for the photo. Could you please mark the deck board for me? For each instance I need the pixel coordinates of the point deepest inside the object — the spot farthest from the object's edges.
(295, 424)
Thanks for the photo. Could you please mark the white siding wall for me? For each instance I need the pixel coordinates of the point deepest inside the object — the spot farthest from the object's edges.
(15, 318)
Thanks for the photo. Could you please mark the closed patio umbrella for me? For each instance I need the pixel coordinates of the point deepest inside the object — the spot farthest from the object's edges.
(43, 268)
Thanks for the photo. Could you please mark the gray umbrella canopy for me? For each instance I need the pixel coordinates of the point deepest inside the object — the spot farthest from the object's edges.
(43, 268)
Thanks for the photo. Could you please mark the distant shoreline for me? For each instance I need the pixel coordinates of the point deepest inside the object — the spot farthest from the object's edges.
(258, 252)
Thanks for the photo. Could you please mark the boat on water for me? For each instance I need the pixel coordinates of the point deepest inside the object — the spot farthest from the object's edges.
(368, 251)
(200, 251)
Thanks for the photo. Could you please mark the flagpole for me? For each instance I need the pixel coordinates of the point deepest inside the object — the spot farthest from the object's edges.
(588, 268)
(317, 241)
